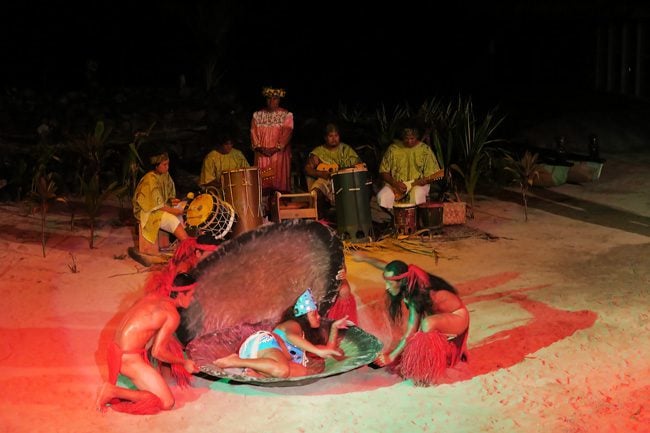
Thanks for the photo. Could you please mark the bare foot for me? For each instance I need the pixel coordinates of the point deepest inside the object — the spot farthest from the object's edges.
(104, 395)
(227, 361)
(253, 373)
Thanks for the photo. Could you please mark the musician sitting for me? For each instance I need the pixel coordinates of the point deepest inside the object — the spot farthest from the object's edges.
(326, 160)
(155, 205)
(408, 168)
(224, 158)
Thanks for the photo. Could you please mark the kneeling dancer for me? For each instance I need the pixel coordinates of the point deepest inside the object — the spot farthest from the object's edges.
(149, 325)
(438, 322)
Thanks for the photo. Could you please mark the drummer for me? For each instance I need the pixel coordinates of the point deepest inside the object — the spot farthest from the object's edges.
(224, 158)
(155, 205)
(324, 161)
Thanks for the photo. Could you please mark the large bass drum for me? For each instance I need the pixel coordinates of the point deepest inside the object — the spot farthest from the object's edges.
(243, 190)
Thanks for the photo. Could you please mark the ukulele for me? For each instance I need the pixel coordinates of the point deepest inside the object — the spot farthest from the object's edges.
(334, 167)
(409, 183)
(330, 168)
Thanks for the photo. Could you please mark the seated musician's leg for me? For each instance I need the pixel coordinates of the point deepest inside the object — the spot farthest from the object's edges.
(386, 197)
(172, 224)
(325, 194)
(420, 193)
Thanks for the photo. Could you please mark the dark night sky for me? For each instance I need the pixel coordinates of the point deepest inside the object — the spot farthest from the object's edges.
(343, 51)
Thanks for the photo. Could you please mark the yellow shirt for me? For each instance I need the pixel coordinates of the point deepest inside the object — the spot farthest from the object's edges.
(151, 194)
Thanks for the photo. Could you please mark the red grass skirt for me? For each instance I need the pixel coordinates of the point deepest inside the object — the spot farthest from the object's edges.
(344, 305)
(147, 406)
(427, 355)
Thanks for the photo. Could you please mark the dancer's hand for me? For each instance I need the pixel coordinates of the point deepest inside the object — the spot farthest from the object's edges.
(190, 366)
(383, 360)
(324, 352)
(341, 323)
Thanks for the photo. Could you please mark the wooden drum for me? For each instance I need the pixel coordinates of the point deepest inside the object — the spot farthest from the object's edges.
(405, 218)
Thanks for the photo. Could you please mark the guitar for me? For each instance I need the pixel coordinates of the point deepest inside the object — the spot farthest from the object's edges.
(334, 167)
(330, 168)
(409, 183)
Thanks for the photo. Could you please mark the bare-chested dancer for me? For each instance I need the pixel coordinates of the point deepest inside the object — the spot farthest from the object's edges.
(149, 325)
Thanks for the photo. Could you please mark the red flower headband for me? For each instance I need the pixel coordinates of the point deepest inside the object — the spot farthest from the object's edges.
(415, 275)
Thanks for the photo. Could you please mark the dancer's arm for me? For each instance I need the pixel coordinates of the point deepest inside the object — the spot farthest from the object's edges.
(411, 327)
(294, 335)
(379, 264)
(160, 349)
(341, 323)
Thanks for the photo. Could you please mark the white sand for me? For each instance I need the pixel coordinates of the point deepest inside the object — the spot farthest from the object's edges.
(558, 339)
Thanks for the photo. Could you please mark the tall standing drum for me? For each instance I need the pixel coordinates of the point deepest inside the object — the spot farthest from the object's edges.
(352, 200)
(243, 190)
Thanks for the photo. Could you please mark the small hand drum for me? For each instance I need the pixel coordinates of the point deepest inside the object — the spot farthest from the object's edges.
(405, 218)
(206, 213)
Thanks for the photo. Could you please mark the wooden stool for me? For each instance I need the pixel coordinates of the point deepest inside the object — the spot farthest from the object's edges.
(292, 206)
(146, 247)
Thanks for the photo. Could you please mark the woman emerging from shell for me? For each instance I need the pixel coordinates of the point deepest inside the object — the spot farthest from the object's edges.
(283, 352)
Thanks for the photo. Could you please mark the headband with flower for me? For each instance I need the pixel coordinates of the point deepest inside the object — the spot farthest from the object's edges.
(157, 159)
(415, 276)
(270, 92)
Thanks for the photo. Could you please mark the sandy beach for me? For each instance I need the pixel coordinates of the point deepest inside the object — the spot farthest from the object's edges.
(558, 336)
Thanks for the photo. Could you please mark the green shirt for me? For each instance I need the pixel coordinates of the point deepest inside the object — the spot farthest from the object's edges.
(408, 163)
(216, 163)
(151, 194)
(343, 155)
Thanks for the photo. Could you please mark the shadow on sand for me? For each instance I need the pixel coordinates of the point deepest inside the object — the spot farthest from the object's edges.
(578, 209)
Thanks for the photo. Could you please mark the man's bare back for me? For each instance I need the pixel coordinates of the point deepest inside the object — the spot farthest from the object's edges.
(143, 320)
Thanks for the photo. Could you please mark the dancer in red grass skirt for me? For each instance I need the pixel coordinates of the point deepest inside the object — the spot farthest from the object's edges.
(149, 326)
(436, 333)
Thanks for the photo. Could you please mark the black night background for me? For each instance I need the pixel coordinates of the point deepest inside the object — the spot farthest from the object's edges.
(532, 60)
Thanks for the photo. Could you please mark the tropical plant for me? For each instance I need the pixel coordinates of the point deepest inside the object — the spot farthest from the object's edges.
(73, 267)
(353, 115)
(472, 138)
(387, 125)
(92, 149)
(440, 127)
(94, 197)
(43, 194)
(525, 171)
(132, 166)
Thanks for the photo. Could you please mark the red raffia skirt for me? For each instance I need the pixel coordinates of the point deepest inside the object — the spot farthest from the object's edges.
(428, 354)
